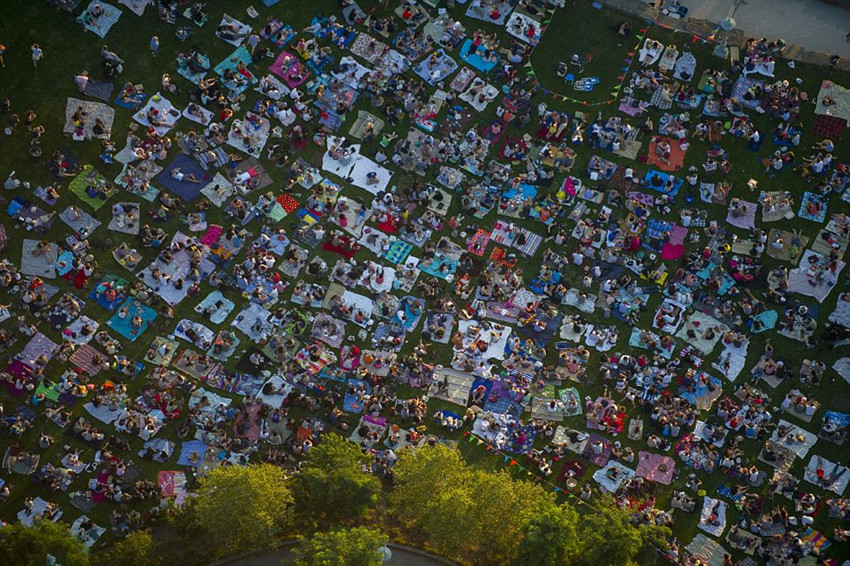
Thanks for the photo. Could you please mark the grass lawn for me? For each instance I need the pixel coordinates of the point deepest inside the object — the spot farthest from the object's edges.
(577, 29)
(587, 32)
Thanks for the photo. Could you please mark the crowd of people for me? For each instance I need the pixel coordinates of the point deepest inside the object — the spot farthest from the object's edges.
(352, 246)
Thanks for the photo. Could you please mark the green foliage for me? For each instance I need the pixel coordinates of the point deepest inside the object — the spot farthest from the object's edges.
(29, 546)
(334, 486)
(549, 537)
(242, 508)
(509, 521)
(344, 547)
(501, 506)
(137, 549)
(609, 537)
(436, 491)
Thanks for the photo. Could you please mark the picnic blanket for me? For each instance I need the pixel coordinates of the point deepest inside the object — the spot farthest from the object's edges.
(43, 265)
(232, 30)
(826, 474)
(655, 467)
(436, 67)
(713, 516)
(93, 112)
(165, 114)
(101, 24)
(611, 476)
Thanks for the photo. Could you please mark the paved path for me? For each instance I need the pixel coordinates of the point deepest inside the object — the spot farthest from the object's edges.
(401, 557)
(813, 29)
(813, 25)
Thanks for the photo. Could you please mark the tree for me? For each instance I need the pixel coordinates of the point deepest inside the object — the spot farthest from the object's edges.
(343, 547)
(609, 537)
(29, 546)
(549, 537)
(137, 549)
(472, 515)
(334, 485)
(431, 492)
(501, 505)
(241, 508)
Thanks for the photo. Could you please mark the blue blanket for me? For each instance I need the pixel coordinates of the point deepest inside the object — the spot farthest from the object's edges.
(189, 447)
(476, 60)
(433, 268)
(242, 82)
(677, 183)
(443, 67)
(701, 390)
(352, 402)
(186, 190)
(123, 325)
(98, 292)
(767, 321)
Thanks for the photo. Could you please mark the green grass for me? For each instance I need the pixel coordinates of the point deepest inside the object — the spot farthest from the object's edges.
(576, 29)
(587, 32)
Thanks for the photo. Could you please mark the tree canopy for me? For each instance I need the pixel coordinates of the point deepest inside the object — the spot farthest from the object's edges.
(468, 514)
(549, 537)
(484, 517)
(241, 508)
(29, 546)
(334, 486)
(357, 546)
(609, 537)
(137, 549)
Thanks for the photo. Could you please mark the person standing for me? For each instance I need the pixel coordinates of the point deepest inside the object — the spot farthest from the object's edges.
(253, 41)
(154, 46)
(37, 54)
(2, 51)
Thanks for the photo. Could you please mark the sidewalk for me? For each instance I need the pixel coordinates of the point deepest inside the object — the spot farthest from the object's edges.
(814, 30)
(811, 24)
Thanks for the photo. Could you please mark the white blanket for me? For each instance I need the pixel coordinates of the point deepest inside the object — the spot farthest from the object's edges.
(276, 400)
(612, 485)
(168, 115)
(797, 440)
(715, 529)
(835, 475)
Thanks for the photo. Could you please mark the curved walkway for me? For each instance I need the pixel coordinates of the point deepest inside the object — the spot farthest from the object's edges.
(402, 556)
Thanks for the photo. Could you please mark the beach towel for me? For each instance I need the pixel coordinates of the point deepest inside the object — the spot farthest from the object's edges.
(476, 60)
